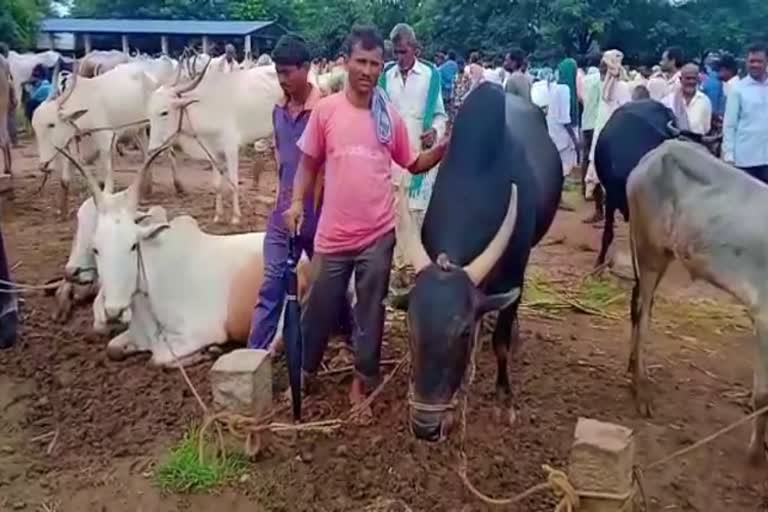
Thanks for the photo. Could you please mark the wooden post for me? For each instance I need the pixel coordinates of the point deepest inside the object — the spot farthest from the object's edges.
(247, 46)
(205, 44)
(124, 40)
(164, 44)
(602, 458)
(87, 43)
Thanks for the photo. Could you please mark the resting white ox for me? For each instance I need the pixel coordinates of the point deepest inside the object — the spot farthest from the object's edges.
(681, 205)
(178, 289)
(214, 116)
(107, 106)
(80, 283)
(22, 65)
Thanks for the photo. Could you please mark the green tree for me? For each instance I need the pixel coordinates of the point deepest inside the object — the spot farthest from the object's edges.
(18, 21)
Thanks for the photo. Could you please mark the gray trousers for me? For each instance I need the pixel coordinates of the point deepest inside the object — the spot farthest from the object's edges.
(332, 273)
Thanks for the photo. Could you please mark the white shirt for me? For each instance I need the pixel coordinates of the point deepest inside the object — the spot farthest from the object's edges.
(730, 84)
(494, 75)
(698, 110)
(540, 93)
(559, 115)
(660, 86)
(410, 99)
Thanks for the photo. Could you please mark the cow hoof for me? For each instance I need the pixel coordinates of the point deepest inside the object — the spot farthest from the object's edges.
(644, 406)
(179, 189)
(216, 219)
(235, 221)
(756, 457)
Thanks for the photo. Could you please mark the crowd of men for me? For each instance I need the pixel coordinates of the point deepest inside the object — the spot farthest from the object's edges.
(712, 100)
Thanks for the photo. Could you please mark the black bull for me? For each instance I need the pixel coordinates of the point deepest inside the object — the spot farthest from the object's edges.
(498, 140)
(634, 130)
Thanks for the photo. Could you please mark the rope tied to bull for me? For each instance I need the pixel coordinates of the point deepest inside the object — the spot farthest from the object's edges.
(568, 497)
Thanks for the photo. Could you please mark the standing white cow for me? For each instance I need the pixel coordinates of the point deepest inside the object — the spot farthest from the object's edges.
(212, 117)
(179, 289)
(104, 108)
(22, 65)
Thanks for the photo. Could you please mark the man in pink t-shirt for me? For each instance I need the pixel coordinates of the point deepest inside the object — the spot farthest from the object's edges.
(356, 135)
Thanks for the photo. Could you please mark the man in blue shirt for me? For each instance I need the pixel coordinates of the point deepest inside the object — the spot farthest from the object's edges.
(745, 127)
(711, 84)
(448, 71)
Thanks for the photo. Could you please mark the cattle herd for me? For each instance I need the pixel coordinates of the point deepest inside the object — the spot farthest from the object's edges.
(501, 166)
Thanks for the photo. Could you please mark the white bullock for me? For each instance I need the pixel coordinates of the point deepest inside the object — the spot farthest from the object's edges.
(80, 278)
(22, 65)
(213, 117)
(105, 107)
(179, 289)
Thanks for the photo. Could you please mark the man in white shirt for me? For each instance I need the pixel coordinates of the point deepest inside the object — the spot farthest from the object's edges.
(414, 88)
(745, 127)
(664, 84)
(692, 107)
(228, 62)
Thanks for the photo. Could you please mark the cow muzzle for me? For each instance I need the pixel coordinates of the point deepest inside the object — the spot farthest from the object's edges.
(117, 315)
(431, 425)
(79, 275)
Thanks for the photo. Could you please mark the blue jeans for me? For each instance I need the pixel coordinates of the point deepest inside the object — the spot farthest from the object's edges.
(266, 314)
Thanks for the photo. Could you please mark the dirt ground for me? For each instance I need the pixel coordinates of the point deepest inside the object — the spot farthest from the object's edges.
(81, 433)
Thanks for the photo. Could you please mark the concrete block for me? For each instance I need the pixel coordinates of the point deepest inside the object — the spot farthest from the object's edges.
(241, 382)
(602, 458)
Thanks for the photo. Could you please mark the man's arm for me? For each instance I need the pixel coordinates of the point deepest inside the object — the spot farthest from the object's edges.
(305, 177)
(707, 116)
(429, 158)
(730, 122)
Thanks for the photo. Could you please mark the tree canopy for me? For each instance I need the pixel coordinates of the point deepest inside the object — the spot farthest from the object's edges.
(548, 29)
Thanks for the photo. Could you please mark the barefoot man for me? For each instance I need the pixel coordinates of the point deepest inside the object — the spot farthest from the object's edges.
(356, 135)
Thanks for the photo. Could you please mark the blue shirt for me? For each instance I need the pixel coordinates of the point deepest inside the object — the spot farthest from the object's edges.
(713, 88)
(745, 126)
(448, 71)
(41, 91)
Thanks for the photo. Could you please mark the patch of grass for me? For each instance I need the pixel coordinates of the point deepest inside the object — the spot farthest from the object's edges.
(183, 471)
(602, 291)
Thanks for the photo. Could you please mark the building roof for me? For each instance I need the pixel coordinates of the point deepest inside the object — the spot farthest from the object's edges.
(128, 26)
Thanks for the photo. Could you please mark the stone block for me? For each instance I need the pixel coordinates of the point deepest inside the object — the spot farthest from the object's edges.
(241, 382)
(602, 458)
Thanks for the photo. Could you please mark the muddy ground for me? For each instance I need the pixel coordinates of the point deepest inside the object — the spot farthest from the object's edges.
(113, 421)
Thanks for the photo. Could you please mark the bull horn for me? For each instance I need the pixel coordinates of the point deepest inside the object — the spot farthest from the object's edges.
(93, 184)
(409, 235)
(68, 92)
(673, 130)
(194, 83)
(134, 192)
(56, 70)
(482, 265)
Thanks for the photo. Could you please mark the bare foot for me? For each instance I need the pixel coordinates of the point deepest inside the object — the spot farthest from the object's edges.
(363, 414)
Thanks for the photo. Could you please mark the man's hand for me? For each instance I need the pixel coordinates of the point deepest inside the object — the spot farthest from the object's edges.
(293, 216)
(428, 138)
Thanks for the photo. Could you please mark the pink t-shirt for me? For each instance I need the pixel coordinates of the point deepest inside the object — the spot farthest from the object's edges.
(358, 201)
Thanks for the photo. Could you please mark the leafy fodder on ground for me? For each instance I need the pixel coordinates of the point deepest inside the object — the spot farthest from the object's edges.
(604, 295)
(183, 471)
